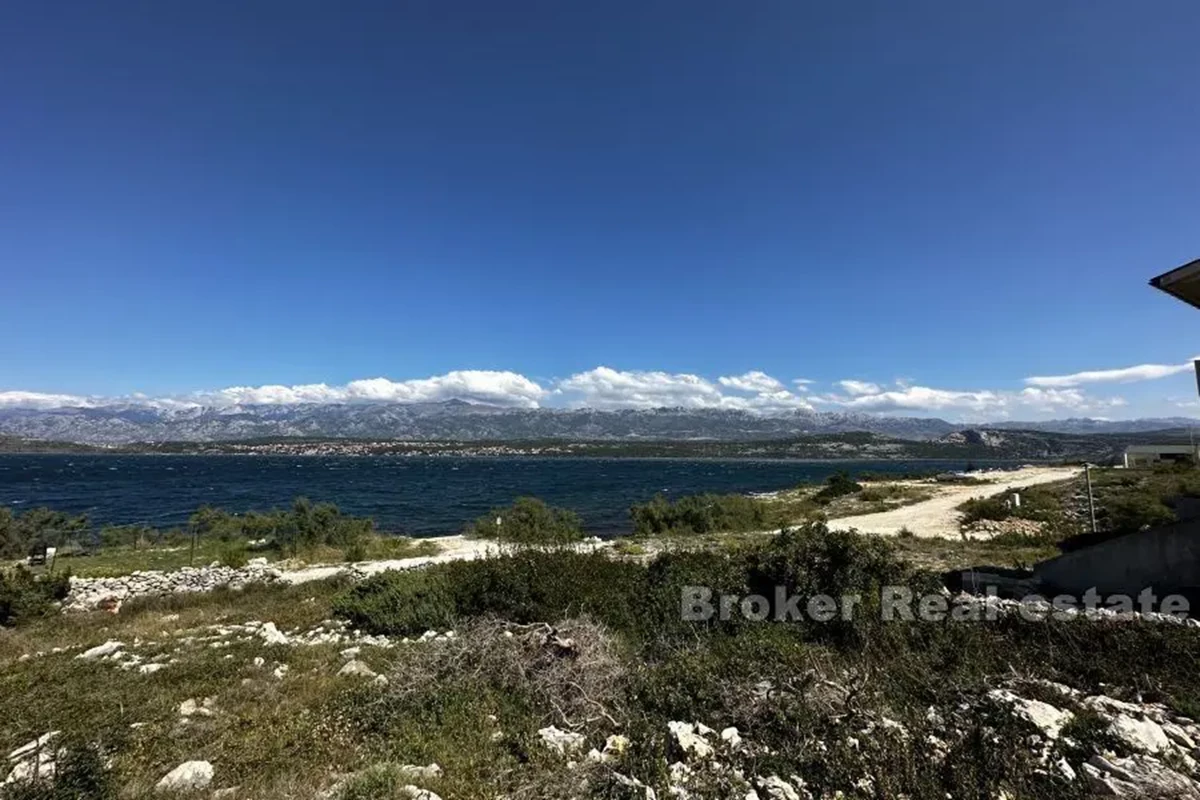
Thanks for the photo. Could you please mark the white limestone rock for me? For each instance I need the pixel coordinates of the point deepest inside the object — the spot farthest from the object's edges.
(358, 669)
(1144, 735)
(562, 742)
(1048, 719)
(690, 738)
(188, 776)
(101, 651)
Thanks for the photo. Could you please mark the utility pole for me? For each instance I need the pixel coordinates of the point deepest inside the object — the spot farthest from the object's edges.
(1087, 473)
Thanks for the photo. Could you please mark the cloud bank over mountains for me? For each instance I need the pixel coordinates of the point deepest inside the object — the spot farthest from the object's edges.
(606, 388)
(1141, 372)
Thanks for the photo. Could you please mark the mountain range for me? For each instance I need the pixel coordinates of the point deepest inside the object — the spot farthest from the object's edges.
(456, 420)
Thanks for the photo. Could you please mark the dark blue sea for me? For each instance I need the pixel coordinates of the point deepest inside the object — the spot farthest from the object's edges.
(414, 496)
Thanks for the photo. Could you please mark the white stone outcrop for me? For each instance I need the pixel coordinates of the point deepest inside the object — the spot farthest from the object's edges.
(35, 760)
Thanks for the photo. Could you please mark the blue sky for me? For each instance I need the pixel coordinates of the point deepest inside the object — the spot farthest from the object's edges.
(938, 196)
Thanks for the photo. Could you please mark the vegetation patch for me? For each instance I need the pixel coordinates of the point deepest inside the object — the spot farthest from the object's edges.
(24, 596)
(704, 513)
(837, 485)
(314, 532)
(529, 521)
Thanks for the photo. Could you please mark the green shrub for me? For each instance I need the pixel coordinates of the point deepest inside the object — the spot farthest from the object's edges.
(233, 554)
(1132, 512)
(385, 781)
(625, 547)
(701, 513)
(529, 521)
(400, 603)
(24, 596)
(37, 528)
(644, 602)
(837, 485)
(991, 508)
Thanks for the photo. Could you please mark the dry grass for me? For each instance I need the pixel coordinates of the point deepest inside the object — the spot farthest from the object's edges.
(573, 669)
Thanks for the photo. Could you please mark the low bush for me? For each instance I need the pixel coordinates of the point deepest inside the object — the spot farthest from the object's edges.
(990, 508)
(702, 513)
(642, 601)
(24, 596)
(234, 554)
(35, 529)
(400, 603)
(528, 586)
(837, 485)
(529, 521)
(1135, 511)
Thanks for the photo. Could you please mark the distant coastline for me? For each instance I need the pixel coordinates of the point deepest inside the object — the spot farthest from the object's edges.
(1027, 446)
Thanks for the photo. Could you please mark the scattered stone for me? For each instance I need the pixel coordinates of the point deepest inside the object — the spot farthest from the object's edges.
(101, 651)
(36, 746)
(777, 788)
(417, 793)
(1048, 719)
(562, 742)
(1138, 776)
(271, 635)
(731, 737)
(357, 668)
(188, 776)
(690, 738)
(414, 772)
(191, 708)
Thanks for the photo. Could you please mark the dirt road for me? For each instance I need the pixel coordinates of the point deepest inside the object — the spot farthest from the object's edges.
(937, 516)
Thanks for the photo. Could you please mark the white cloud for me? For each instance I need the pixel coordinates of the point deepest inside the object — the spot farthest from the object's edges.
(753, 381)
(41, 400)
(976, 404)
(1140, 372)
(478, 386)
(274, 394)
(859, 387)
(607, 388)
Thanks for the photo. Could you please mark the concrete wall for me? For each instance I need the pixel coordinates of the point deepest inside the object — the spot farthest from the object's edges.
(1165, 559)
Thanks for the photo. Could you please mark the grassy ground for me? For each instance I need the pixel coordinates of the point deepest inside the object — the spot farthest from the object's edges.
(111, 561)
(1126, 500)
(943, 555)
(270, 736)
(474, 708)
(797, 505)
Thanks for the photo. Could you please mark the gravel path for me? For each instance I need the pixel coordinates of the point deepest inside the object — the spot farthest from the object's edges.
(938, 517)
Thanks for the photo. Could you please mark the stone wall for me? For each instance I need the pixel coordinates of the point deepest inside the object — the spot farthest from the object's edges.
(89, 594)
(1166, 559)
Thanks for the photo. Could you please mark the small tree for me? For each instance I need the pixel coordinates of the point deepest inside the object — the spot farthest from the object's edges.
(529, 521)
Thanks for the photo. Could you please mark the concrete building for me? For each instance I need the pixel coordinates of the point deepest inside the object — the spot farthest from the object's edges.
(1145, 455)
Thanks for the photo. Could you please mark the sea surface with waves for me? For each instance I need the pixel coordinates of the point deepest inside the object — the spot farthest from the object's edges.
(415, 496)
